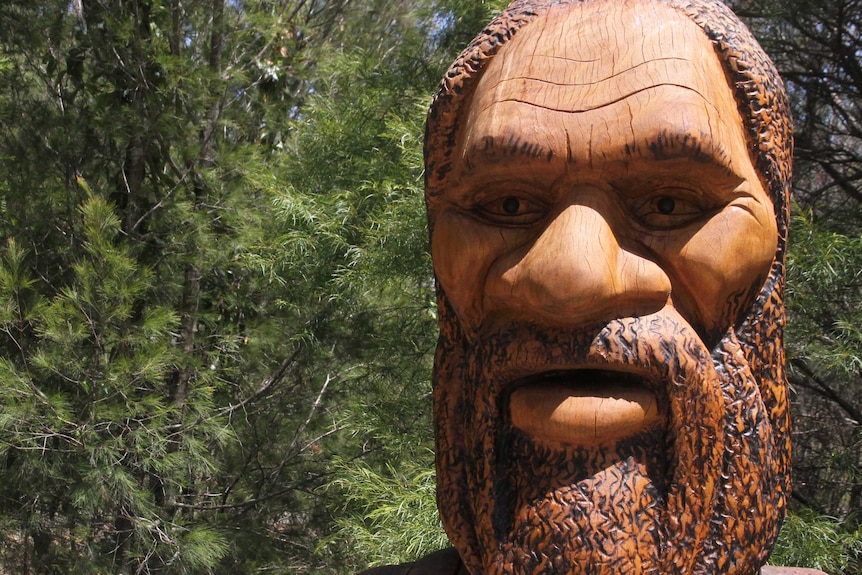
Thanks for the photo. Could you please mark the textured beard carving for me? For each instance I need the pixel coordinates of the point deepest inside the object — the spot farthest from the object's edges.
(696, 496)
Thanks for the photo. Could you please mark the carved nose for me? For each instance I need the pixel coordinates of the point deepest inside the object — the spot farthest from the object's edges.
(576, 271)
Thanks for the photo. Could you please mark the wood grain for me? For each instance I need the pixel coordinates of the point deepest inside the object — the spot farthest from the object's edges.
(606, 184)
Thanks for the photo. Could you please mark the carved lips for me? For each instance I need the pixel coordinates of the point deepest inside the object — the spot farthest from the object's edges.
(583, 407)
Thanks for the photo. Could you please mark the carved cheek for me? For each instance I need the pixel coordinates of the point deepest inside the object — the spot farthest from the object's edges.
(463, 251)
(728, 257)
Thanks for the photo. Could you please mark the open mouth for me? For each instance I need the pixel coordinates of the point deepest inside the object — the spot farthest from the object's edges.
(583, 407)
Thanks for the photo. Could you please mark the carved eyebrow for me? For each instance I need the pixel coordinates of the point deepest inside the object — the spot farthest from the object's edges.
(492, 150)
(701, 148)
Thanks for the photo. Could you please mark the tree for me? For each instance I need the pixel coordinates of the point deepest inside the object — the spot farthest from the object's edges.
(136, 334)
(92, 443)
(216, 280)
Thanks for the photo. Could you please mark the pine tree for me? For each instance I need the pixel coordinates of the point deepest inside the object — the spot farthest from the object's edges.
(216, 289)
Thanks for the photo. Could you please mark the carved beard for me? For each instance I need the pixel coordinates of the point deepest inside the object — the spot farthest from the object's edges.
(696, 496)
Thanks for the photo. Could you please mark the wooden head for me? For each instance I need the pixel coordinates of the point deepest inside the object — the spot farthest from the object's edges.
(606, 185)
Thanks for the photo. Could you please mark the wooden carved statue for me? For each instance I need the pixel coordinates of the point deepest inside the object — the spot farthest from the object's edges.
(606, 183)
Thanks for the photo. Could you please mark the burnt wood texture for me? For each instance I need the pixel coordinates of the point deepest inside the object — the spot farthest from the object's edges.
(606, 184)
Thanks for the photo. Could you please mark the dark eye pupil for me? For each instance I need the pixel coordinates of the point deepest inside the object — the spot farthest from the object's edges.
(511, 205)
(666, 205)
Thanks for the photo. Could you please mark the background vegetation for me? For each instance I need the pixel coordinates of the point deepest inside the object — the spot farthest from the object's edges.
(216, 311)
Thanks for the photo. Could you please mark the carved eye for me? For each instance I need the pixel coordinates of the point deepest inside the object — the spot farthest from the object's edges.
(670, 208)
(665, 205)
(511, 206)
(512, 210)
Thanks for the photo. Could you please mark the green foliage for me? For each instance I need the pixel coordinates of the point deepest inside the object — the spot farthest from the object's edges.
(824, 348)
(351, 242)
(162, 408)
(818, 542)
(825, 274)
(88, 429)
(388, 516)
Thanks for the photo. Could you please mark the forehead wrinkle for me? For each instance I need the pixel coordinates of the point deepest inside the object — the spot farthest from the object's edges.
(600, 39)
(567, 84)
(599, 105)
(612, 76)
(570, 59)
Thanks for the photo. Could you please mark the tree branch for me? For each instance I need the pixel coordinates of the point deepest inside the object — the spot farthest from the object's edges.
(267, 385)
(825, 390)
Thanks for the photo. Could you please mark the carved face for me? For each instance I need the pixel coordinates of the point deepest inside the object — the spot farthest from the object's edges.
(601, 232)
